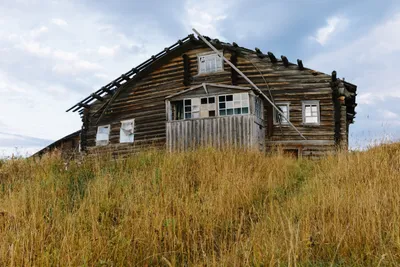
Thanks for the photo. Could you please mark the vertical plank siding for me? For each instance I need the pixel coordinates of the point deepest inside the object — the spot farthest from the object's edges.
(239, 131)
(144, 100)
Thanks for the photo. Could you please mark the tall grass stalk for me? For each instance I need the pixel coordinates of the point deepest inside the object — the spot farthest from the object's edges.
(206, 207)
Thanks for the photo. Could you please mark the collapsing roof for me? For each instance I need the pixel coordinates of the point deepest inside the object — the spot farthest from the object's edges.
(108, 92)
(57, 143)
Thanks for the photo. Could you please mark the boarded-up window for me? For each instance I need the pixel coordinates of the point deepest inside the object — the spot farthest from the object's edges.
(311, 113)
(259, 108)
(209, 63)
(234, 104)
(102, 136)
(278, 118)
(126, 133)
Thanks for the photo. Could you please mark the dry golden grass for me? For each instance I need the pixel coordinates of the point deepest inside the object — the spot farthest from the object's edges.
(229, 208)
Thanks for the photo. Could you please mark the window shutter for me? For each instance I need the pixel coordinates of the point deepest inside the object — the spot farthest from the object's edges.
(102, 136)
(220, 63)
(202, 64)
(127, 131)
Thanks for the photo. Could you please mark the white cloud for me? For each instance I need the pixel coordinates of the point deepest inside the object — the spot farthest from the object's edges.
(63, 55)
(35, 48)
(59, 22)
(389, 115)
(369, 61)
(206, 16)
(75, 67)
(102, 76)
(108, 51)
(366, 98)
(38, 31)
(333, 25)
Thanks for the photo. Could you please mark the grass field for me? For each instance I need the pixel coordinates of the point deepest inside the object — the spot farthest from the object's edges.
(202, 208)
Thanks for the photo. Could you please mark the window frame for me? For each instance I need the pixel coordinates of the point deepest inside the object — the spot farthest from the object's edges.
(233, 107)
(199, 72)
(208, 106)
(133, 134)
(106, 142)
(191, 108)
(287, 104)
(312, 103)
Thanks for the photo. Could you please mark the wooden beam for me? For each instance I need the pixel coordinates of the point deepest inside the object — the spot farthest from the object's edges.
(82, 105)
(125, 77)
(259, 53)
(272, 57)
(300, 63)
(285, 61)
(186, 70)
(334, 76)
(234, 74)
(221, 55)
(97, 97)
(108, 91)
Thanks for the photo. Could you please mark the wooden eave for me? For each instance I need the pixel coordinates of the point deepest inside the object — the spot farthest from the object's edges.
(209, 84)
(55, 143)
(116, 86)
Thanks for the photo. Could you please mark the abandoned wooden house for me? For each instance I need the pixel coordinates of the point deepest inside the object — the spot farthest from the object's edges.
(188, 96)
(68, 145)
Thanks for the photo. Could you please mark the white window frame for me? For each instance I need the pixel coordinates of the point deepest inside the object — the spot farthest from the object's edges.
(103, 142)
(275, 112)
(312, 103)
(194, 109)
(217, 60)
(233, 105)
(207, 107)
(121, 131)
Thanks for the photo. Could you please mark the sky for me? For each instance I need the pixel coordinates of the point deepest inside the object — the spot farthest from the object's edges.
(53, 53)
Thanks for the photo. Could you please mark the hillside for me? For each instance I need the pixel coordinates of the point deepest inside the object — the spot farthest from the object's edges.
(202, 208)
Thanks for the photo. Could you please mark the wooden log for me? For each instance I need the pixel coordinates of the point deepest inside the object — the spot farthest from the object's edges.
(82, 105)
(300, 63)
(334, 76)
(108, 91)
(96, 96)
(272, 57)
(285, 61)
(234, 74)
(186, 70)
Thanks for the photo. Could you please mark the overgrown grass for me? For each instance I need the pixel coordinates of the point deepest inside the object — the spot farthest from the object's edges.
(226, 208)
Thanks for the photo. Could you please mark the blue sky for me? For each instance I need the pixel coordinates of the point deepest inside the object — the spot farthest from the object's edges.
(55, 52)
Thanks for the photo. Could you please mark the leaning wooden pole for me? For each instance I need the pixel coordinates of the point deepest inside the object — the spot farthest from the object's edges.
(248, 80)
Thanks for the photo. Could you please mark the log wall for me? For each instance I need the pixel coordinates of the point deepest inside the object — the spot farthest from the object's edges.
(143, 100)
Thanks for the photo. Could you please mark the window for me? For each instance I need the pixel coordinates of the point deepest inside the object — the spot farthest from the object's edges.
(192, 108)
(311, 112)
(103, 133)
(234, 104)
(200, 107)
(209, 63)
(126, 132)
(278, 118)
(208, 107)
(177, 110)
